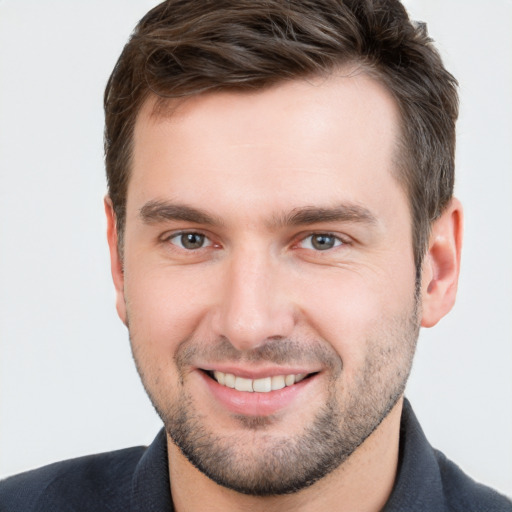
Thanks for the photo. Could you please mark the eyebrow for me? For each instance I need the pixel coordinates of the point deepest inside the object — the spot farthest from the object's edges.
(312, 214)
(155, 211)
(158, 211)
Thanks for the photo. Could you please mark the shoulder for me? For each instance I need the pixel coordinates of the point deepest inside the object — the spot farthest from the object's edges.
(91, 483)
(427, 481)
(463, 494)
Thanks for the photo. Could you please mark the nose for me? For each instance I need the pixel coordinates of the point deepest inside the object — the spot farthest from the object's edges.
(253, 307)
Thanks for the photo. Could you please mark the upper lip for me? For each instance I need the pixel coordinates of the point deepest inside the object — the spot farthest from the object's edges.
(257, 373)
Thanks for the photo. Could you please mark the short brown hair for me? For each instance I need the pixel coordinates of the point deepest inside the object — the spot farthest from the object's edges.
(186, 47)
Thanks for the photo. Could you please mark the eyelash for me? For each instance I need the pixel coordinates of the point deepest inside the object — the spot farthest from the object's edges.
(182, 234)
(337, 241)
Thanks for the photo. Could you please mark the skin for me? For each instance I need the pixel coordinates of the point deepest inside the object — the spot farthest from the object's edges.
(249, 162)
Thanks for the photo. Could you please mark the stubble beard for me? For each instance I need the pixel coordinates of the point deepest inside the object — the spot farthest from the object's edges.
(259, 462)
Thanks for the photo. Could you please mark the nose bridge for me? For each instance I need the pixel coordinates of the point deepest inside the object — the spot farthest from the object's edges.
(253, 307)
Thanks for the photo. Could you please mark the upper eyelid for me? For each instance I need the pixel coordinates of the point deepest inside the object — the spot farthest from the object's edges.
(172, 234)
(331, 235)
(297, 238)
(339, 236)
(167, 238)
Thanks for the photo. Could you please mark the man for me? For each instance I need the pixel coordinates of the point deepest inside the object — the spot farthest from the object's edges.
(280, 223)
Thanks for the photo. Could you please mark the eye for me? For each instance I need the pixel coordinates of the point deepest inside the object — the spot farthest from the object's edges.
(190, 241)
(320, 242)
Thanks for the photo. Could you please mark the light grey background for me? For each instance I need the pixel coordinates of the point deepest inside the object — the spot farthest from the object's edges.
(67, 383)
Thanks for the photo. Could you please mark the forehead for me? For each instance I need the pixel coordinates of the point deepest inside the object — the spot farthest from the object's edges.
(291, 142)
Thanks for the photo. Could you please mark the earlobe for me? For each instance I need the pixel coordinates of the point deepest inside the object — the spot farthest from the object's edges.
(440, 271)
(116, 263)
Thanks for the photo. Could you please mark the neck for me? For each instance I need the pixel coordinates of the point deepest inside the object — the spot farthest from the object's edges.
(363, 482)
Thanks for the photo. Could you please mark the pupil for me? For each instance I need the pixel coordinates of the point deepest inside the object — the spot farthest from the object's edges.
(192, 240)
(323, 242)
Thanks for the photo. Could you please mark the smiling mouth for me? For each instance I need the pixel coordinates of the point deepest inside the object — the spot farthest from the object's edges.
(263, 385)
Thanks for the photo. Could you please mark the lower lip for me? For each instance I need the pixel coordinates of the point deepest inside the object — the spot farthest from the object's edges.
(255, 404)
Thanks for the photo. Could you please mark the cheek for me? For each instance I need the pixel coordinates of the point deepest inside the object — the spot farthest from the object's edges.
(165, 306)
(352, 310)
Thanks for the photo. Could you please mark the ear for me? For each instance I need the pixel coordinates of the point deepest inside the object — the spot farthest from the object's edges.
(441, 265)
(116, 262)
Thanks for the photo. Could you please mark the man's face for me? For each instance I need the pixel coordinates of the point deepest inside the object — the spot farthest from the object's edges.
(268, 246)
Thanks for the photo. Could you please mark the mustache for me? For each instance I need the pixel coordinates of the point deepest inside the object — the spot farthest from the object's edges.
(275, 350)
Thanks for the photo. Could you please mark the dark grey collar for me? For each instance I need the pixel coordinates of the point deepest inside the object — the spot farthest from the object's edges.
(150, 484)
(418, 484)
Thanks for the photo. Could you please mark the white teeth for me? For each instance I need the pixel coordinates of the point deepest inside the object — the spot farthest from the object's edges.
(242, 384)
(289, 380)
(219, 377)
(263, 385)
(279, 382)
(229, 380)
